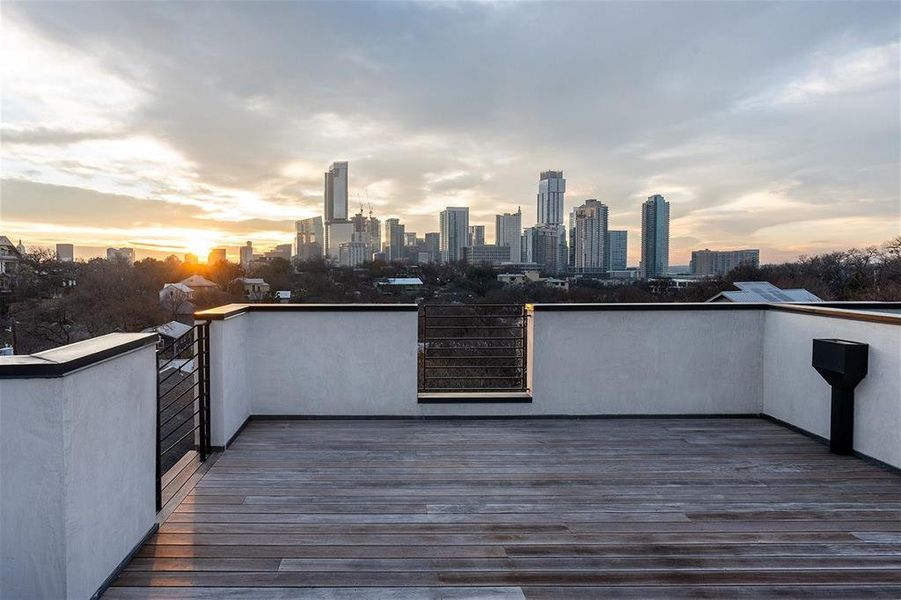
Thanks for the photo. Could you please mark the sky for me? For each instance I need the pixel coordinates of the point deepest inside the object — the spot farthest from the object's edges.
(174, 127)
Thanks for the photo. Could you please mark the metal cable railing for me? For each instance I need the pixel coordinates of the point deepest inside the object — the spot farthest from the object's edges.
(473, 348)
(183, 401)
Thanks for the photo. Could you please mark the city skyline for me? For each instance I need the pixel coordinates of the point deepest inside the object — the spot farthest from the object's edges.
(155, 147)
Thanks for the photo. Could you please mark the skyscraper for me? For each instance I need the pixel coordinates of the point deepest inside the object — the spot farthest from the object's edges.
(508, 232)
(543, 247)
(454, 222)
(336, 193)
(655, 237)
(310, 238)
(617, 250)
(590, 237)
(395, 239)
(432, 245)
(338, 229)
(551, 191)
(476, 235)
(246, 255)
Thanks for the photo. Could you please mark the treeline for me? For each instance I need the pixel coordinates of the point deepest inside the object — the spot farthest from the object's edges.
(55, 303)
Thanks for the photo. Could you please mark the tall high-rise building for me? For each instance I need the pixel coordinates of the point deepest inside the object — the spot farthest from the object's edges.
(409, 238)
(337, 233)
(508, 232)
(571, 254)
(590, 237)
(65, 252)
(712, 262)
(338, 229)
(542, 246)
(551, 192)
(454, 225)
(246, 255)
(655, 237)
(476, 235)
(375, 233)
(395, 239)
(617, 250)
(309, 239)
(336, 193)
(432, 245)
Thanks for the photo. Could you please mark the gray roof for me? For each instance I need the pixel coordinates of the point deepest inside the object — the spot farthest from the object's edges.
(764, 291)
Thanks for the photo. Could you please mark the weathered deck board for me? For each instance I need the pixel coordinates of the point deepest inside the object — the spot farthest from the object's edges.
(524, 508)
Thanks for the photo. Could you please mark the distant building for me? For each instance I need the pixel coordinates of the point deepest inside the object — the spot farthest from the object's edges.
(454, 224)
(508, 232)
(590, 237)
(254, 288)
(764, 291)
(399, 285)
(174, 338)
(199, 284)
(65, 252)
(337, 233)
(309, 240)
(532, 276)
(216, 255)
(10, 257)
(353, 254)
(542, 246)
(432, 245)
(486, 254)
(551, 192)
(176, 298)
(617, 250)
(338, 230)
(190, 258)
(655, 237)
(123, 255)
(282, 251)
(246, 254)
(395, 239)
(715, 262)
(366, 232)
(476, 235)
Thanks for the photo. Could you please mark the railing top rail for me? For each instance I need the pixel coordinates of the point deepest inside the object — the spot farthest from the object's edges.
(231, 310)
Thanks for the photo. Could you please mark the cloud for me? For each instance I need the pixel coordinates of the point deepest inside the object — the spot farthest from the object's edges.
(745, 115)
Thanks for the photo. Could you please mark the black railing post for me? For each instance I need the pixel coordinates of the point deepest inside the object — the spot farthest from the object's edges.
(206, 394)
(158, 433)
(202, 373)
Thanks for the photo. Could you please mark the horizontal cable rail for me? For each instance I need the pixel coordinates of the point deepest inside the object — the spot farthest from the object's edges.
(473, 348)
(183, 403)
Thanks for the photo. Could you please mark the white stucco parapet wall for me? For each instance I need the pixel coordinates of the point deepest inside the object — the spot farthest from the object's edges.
(77, 464)
(665, 359)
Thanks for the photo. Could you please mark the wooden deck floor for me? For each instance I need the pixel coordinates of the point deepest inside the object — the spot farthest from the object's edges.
(555, 508)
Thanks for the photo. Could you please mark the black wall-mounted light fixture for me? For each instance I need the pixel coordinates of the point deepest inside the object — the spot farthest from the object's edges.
(843, 364)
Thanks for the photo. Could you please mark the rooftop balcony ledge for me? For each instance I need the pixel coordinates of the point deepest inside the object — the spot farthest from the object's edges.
(81, 498)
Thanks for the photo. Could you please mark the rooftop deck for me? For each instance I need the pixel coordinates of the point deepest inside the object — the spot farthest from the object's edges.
(515, 508)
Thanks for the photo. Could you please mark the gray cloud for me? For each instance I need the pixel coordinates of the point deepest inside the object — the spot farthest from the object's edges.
(707, 103)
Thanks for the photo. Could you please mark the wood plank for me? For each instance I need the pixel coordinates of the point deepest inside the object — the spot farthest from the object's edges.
(538, 508)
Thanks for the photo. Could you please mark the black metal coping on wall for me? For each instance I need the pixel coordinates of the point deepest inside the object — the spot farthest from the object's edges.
(65, 359)
(230, 310)
(840, 310)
